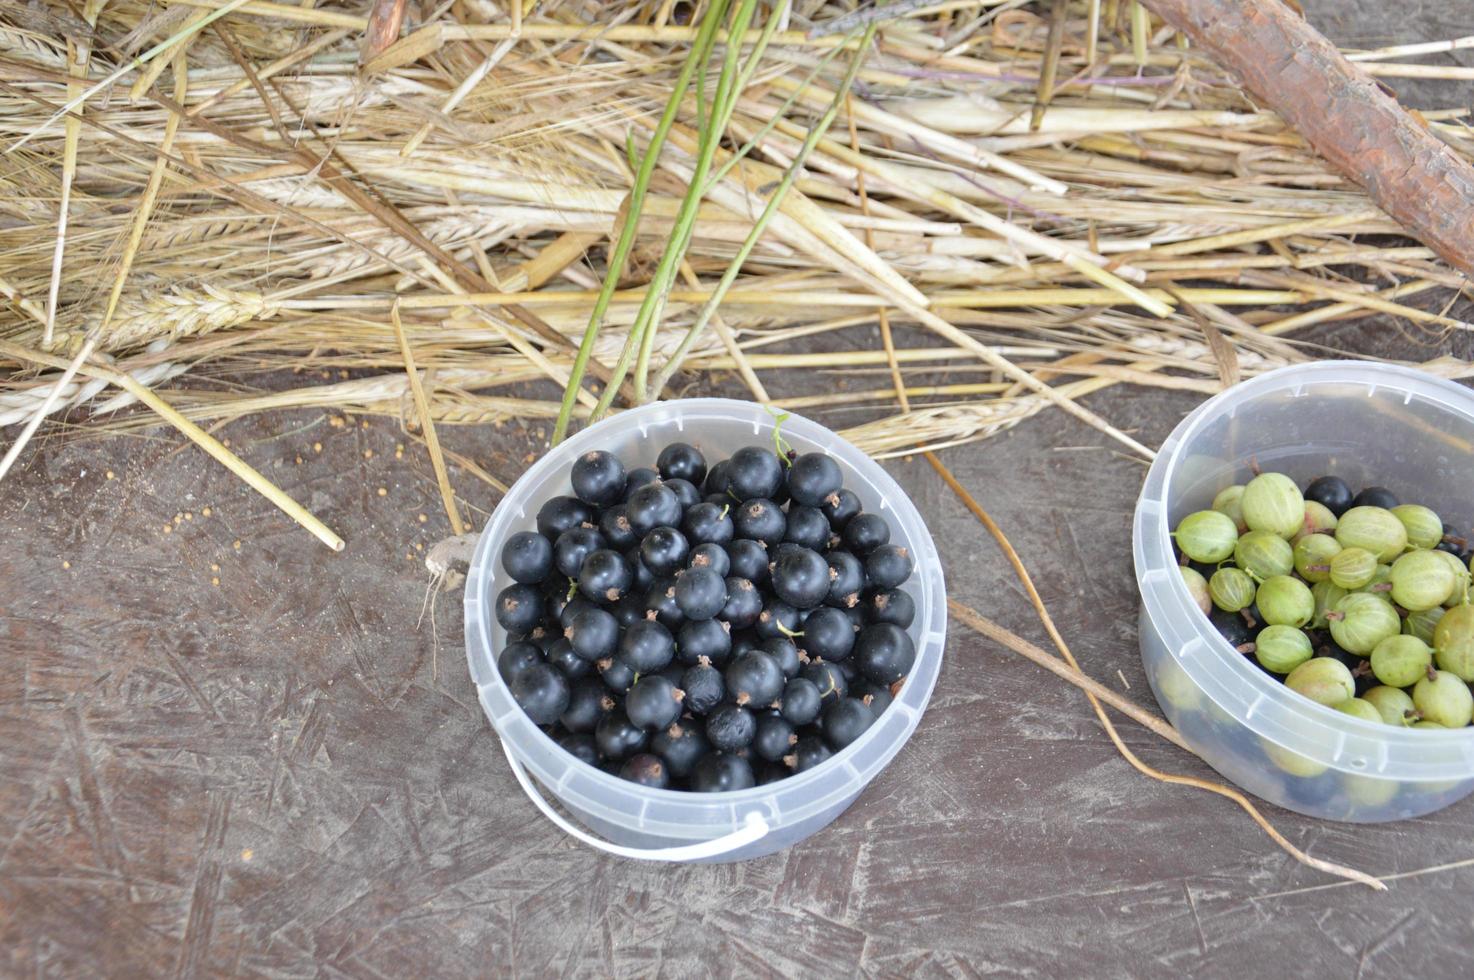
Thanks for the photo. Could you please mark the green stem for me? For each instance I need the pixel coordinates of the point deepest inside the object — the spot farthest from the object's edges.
(700, 51)
(774, 202)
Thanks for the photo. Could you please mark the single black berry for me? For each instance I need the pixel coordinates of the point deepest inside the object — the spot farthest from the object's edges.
(890, 606)
(716, 480)
(754, 472)
(593, 634)
(700, 592)
(888, 566)
(704, 688)
(721, 772)
(687, 494)
(828, 633)
(651, 506)
(647, 646)
(664, 551)
(755, 679)
(681, 746)
(519, 608)
(774, 737)
(800, 702)
(560, 654)
(598, 478)
(616, 673)
(614, 524)
(581, 746)
(638, 477)
(846, 720)
(645, 770)
(528, 557)
(884, 653)
(808, 753)
(866, 532)
(807, 527)
(516, 658)
(840, 508)
(749, 560)
(573, 546)
(801, 578)
(708, 523)
(588, 701)
(813, 478)
(1331, 492)
(759, 519)
(1375, 497)
(542, 691)
(619, 738)
(877, 697)
(785, 652)
(744, 604)
(561, 514)
(828, 678)
(710, 555)
(846, 578)
(653, 702)
(708, 638)
(661, 600)
(778, 618)
(681, 461)
(730, 728)
(605, 576)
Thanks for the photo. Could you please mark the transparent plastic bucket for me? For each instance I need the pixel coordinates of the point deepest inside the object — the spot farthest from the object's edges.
(1370, 424)
(639, 822)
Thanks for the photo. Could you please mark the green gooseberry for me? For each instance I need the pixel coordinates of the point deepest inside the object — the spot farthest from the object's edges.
(1424, 527)
(1421, 580)
(1264, 555)
(1207, 536)
(1392, 703)
(1399, 661)
(1453, 642)
(1460, 594)
(1230, 501)
(1280, 649)
(1372, 528)
(1422, 624)
(1285, 601)
(1197, 587)
(1231, 589)
(1443, 698)
(1176, 688)
(1352, 568)
(1313, 554)
(1361, 620)
(1326, 594)
(1358, 708)
(1370, 791)
(1381, 583)
(1291, 762)
(1323, 680)
(1272, 502)
(1426, 724)
(1318, 518)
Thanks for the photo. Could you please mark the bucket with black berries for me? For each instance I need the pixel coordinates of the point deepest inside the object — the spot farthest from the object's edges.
(1302, 546)
(702, 627)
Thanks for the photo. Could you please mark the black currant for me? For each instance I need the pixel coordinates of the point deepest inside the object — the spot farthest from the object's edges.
(619, 738)
(813, 478)
(753, 471)
(581, 746)
(840, 508)
(704, 687)
(700, 592)
(890, 606)
(801, 578)
(681, 461)
(846, 578)
(647, 646)
(730, 728)
(721, 772)
(759, 519)
(778, 618)
(615, 526)
(593, 634)
(774, 737)
(588, 701)
(561, 655)
(629, 610)
(807, 527)
(516, 658)
(708, 523)
(542, 691)
(651, 506)
(754, 679)
(528, 557)
(801, 701)
(605, 576)
(828, 678)
(846, 720)
(616, 673)
(638, 477)
(664, 551)
(661, 600)
(828, 633)
(645, 770)
(866, 532)
(519, 608)
(716, 481)
(785, 652)
(572, 607)
(653, 702)
(598, 478)
(642, 577)
(561, 514)
(688, 495)
(744, 604)
(749, 560)
(573, 546)
(884, 653)
(710, 555)
(888, 566)
(681, 746)
(808, 753)
(1375, 497)
(877, 697)
(704, 638)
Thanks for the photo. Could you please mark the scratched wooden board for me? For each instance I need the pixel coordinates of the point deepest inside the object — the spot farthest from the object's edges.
(287, 774)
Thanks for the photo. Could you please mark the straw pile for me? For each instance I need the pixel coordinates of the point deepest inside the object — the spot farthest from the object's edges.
(1052, 192)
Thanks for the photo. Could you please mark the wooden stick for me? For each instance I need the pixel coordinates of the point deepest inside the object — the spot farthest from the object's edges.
(427, 425)
(1347, 118)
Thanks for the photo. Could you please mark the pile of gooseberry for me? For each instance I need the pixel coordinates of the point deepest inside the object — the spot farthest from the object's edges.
(705, 629)
(1356, 601)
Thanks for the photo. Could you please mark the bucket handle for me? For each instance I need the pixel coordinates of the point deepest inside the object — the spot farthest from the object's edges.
(754, 828)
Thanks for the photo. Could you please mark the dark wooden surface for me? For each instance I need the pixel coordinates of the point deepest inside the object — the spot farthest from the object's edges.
(287, 773)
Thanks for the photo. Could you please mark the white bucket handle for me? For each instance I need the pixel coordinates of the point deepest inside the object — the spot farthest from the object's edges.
(753, 829)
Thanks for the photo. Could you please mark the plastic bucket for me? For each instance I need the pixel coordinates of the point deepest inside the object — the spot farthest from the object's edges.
(1371, 425)
(639, 822)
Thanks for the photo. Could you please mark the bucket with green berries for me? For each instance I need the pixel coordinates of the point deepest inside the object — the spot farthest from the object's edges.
(1302, 546)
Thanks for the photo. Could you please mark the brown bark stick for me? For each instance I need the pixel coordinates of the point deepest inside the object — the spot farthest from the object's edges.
(1347, 118)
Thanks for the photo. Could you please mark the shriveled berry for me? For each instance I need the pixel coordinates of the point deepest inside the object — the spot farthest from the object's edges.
(730, 728)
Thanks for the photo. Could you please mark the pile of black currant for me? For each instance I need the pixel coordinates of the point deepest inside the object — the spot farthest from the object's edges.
(700, 629)
(1357, 601)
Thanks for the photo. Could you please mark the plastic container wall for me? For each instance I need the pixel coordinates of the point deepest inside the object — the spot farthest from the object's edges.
(1371, 425)
(638, 816)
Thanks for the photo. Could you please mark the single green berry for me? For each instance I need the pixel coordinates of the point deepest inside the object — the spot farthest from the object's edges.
(1264, 555)
(1231, 589)
(1421, 580)
(1370, 791)
(1313, 554)
(1318, 519)
(1443, 698)
(1422, 624)
(1393, 704)
(1280, 649)
(1381, 583)
(1460, 593)
(1323, 680)
(1424, 527)
(1326, 594)
(1399, 661)
(1230, 501)
(1426, 724)
(1285, 601)
(1207, 536)
(1374, 529)
(1352, 568)
(1357, 708)
(1453, 642)
(1272, 502)
(1361, 620)
(1290, 761)
(1197, 587)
